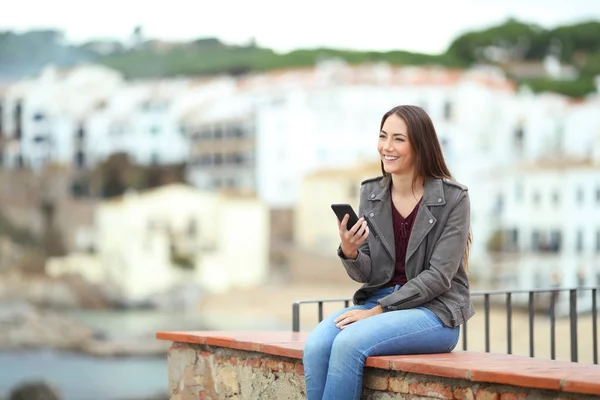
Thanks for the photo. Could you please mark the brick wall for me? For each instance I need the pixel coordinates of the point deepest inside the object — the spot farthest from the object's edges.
(198, 371)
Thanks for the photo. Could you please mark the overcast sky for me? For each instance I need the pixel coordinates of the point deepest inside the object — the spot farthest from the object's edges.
(419, 25)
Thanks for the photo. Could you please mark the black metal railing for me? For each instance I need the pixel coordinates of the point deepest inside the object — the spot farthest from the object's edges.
(582, 300)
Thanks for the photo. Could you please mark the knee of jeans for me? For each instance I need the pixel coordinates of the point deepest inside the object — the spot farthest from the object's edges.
(346, 344)
(315, 346)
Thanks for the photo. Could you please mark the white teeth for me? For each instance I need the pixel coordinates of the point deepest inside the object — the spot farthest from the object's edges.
(390, 158)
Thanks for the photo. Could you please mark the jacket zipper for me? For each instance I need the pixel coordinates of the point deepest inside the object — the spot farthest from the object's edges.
(414, 296)
(461, 282)
(377, 234)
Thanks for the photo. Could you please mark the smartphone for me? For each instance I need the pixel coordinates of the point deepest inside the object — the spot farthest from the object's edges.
(342, 209)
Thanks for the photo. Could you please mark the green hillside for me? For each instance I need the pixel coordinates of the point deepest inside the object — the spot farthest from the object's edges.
(576, 45)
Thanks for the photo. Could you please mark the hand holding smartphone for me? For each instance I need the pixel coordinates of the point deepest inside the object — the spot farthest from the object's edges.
(341, 210)
(351, 239)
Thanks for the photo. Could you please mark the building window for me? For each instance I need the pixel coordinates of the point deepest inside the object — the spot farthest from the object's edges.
(238, 158)
(218, 132)
(447, 110)
(598, 241)
(499, 204)
(579, 241)
(513, 238)
(204, 159)
(536, 198)
(218, 159)
(39, 116)
(535, 240)
(580, 196)
(598, 194)
(79, 188)
(155, 129)
(555, 198)
(80, 132)
(40, 139)
(203, 133)
(555, 241)
(79, 159)
(519, 136)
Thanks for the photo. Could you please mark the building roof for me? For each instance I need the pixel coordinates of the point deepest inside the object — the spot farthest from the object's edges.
(181, 188)
(378, 73)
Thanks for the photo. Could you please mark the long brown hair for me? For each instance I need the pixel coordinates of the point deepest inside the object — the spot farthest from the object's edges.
(428, 158)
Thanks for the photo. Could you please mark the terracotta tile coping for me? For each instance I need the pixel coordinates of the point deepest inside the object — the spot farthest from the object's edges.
(474, 366)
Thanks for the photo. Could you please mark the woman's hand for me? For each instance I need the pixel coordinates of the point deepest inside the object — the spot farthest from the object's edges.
(353, 238)
(355, 315)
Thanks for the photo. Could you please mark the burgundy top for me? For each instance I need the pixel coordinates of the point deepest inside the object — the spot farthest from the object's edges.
(402, 229)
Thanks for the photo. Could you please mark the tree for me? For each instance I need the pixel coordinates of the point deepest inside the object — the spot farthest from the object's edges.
(520, 39)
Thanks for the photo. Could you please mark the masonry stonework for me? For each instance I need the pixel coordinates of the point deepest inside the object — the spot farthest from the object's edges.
(210, 372)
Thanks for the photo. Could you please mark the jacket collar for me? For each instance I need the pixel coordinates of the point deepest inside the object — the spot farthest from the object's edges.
(433, 191)
(381, 215)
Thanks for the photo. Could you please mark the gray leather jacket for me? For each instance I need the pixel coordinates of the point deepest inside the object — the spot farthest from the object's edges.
(434, 259)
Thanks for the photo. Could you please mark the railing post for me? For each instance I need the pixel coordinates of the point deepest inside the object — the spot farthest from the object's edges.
(553, 296)
(296, 317)
(320, 311)
(464, 336)
(509, 323)
(486, 304)
(573, 321)
(531, 325)
(595, 325)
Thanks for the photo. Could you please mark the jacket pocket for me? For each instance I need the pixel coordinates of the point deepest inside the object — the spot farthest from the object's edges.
(459, 281)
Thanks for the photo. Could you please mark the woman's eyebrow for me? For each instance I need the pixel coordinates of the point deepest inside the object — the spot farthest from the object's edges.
(394, 134)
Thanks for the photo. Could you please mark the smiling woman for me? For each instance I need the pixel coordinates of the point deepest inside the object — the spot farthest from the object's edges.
(410, 251)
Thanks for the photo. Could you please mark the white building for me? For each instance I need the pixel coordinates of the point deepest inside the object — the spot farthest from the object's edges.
(551, 207)
(282, 125)
(80, 116)
(139, 119)
(547, 224)
(44, 118)
(177, 236)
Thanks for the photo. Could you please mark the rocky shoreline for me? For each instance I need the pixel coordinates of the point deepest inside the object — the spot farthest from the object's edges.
(25, 327)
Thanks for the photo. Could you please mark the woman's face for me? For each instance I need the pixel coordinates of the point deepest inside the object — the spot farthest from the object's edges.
(394, 146)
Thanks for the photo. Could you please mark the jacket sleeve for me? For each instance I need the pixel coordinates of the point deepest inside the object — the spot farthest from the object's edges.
(443, 265)
(358, 269)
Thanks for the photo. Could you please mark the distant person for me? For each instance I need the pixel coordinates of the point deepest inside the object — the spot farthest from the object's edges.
(34, 391)
(410, 249)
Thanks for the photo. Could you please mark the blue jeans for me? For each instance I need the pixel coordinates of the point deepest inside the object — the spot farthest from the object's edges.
(334, 359)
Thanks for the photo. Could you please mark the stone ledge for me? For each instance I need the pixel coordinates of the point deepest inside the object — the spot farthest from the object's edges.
(475, 367)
